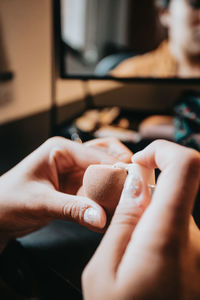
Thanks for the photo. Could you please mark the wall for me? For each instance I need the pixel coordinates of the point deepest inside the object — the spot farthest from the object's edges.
(25, 49)
(25, 29)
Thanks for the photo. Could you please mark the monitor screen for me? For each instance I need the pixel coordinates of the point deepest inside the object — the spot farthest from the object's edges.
(129, 38)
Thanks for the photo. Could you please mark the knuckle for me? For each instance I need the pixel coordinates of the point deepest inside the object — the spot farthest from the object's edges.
(94, 285)
(89, 278)
(53, 141)
(192, 160)
(86, 275)
(114, 140)
(74, 211)
(111, 140)
(194, 157)
(159, 142)
(127, 217)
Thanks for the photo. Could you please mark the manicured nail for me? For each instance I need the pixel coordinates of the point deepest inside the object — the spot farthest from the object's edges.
(132, 189)
(120, 165)
(133, 186)
(92, 217)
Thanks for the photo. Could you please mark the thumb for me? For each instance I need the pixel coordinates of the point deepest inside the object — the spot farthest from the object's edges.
(81, 210)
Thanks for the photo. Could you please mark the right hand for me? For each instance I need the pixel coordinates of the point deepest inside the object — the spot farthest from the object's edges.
(153, 252)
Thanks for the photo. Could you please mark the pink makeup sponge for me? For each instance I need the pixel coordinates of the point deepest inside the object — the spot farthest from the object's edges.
(104, 184)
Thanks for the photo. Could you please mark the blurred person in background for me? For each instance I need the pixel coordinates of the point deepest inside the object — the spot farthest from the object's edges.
(179, 55)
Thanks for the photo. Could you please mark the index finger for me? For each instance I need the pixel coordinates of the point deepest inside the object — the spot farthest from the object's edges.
(112, 147)
(164, 224)
(178, 182)
(61, 155)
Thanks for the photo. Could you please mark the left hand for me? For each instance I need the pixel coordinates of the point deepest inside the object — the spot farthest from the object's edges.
(43, 187)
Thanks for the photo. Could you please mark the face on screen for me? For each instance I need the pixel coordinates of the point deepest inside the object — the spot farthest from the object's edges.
(130, 38)
(183, 23)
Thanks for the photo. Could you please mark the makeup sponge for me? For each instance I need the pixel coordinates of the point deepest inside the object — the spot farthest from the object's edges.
(104, 184)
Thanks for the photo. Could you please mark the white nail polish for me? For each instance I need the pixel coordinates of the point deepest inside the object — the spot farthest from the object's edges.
(133, 185)
(120, 165)
(92, 217)
(138, 181)
(133, 189)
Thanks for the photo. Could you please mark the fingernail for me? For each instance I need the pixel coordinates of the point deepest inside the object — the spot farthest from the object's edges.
(120, 165)
(92, 217)
(132, 188)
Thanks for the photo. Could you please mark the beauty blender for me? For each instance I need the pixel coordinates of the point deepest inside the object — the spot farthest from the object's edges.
(104, 184)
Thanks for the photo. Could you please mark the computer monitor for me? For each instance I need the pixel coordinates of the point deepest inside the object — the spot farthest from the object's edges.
(110, 39)
(92, 36)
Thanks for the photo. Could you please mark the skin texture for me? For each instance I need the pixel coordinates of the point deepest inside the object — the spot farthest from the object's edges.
(44, 185)
(112, 147)
(152, 253)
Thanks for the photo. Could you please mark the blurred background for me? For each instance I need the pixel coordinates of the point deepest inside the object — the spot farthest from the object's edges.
(95, 29)
(54, 81)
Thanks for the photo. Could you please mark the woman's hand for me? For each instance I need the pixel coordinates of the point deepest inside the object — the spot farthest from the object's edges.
(43, 187)
(112, 147)
(153, 252)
